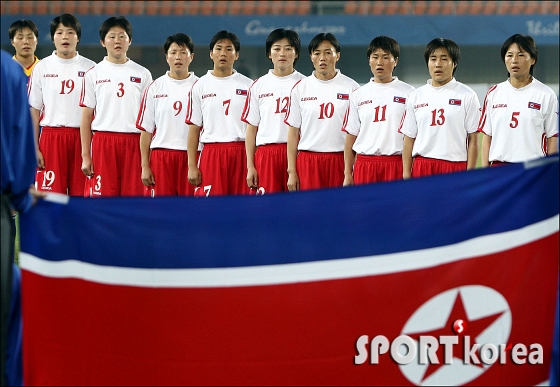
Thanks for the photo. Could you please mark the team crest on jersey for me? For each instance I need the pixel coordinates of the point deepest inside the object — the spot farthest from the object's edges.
(456, 102)
(81, 73)
(399, 99)
(241, 92)
(342, 96)
(534, 105)
(135, 79)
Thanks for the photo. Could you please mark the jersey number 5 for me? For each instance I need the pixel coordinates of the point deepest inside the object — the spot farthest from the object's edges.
(514, 121)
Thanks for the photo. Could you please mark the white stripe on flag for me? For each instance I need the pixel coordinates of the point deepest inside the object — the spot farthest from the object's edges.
(294, 272)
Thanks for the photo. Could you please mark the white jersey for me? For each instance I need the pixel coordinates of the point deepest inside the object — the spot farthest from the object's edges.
(267, 104)
(164, 106)
(376, 110)
(519, 120)
(319, 109)
(114, 91)
(215, 105)
(55, 87)
(440, 119)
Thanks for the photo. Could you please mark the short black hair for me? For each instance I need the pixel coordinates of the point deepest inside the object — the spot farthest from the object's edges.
(282, 33)
(67, 20)
(386, 44)
(115, 21)
(221, 35)
(525, 42)
(320, 38)
(449, 45)
(181, 39)
(19, 25)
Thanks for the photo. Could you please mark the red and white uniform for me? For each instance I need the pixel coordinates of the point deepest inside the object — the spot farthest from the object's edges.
(164, 106)
(375, 113)
(267, 104)
(54, 89)
(319, 109)
(440, 119)
(115, 91)
(215, 105)
(266, 107)
(519, 120)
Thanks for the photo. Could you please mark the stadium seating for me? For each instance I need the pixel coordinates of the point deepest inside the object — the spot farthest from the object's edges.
(278, 7)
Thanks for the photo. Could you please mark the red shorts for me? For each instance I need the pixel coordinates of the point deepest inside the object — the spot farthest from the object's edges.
(117, 165)
(271, 161)
(223, 166)
(424, 166)
(373, 169)
(170, 169)
(320, 169)
(62, 151)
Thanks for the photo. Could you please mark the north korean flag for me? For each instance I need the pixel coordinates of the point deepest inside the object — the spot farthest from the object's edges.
(165, 310)
(456, 102)
(135, 79)
(534, 105)
(81, 73)
(241, 92)
(399, 99)
(342, 96)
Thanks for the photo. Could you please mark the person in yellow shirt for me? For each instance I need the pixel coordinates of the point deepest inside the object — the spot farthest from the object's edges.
(23, 35)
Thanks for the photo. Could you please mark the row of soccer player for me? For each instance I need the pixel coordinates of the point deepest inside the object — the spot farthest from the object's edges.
(222, 133)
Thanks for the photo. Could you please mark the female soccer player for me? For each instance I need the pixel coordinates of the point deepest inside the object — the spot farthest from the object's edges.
(375, 114)
(113, 88)
(317, 109)
(518, 116)
(265, 110)
(165, 167)
(440, 123)
(23, 36)
(216, 102)
(54, 94)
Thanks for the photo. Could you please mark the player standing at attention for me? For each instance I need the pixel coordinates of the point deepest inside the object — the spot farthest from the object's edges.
(518, 119)
(54, 95)
(265, 110)
(165, 168)
(23, 35)
(318, 106)
(113, 89)
(216, 102)
(440, 122)
(376, 110)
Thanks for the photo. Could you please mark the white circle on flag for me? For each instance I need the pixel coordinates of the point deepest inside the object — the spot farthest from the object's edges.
(479, 302)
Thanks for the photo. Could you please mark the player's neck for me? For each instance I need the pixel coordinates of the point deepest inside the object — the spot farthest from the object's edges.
(25, 61)
(283, 72)
(115, 60)
(222, 73)
(520, 82)
(179, 76)
(70, 55)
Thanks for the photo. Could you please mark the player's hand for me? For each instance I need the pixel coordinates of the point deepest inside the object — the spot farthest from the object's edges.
(147, 176)
(348, 180)
(252, 178)
(195, 176)
(406, 175)
(293, 182)
(87, 166)
(36, 195)
(40, 160)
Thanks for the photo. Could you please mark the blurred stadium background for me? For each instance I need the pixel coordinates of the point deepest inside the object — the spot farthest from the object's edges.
(479, 27)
